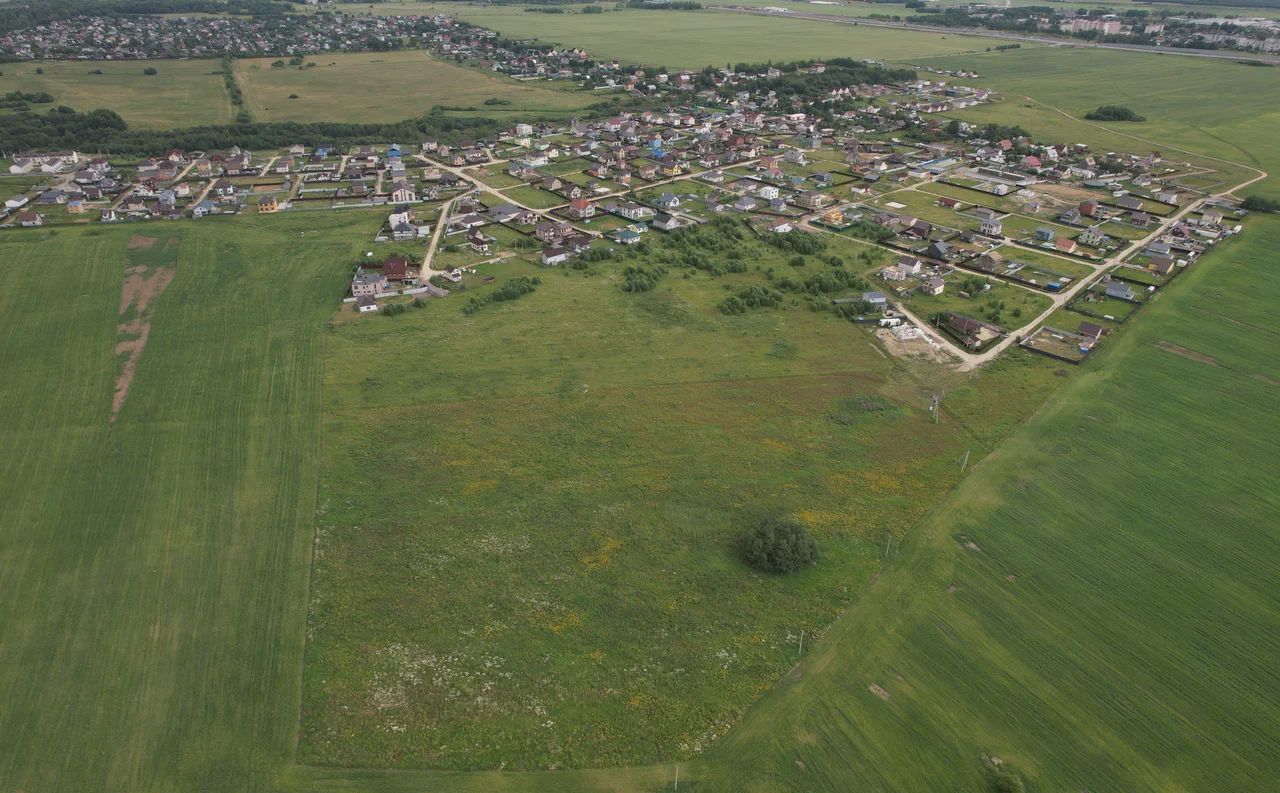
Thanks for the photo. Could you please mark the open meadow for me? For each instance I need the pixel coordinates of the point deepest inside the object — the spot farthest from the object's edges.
(181, 94)
(525, 549)
(390, 86)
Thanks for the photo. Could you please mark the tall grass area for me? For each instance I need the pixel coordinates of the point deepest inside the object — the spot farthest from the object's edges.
(154, 569)
(526, 554)
(1095, 605)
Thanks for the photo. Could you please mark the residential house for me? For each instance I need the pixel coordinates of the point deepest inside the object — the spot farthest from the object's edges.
(478, 241)
(933, 285)
(878, 300)
(403, 192)
(665, 222)
(1119, 290)
(396, 268)
(367, 284)
(581, 209)
(1093, 237)
(554, 255)
(30, 219)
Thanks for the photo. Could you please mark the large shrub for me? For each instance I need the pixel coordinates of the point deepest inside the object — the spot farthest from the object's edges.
(779, 545)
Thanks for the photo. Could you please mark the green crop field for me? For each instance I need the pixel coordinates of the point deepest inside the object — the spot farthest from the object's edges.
(155, 568)
(696, 39)
(182, 94)
(389, 86)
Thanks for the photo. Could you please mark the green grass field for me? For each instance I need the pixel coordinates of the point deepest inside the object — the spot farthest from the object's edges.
(182, 94)
(1211, 108)
(1096, 623)
(525, 551)
(155, 569)
(1094, 603)
(390, 86)
(696, 39)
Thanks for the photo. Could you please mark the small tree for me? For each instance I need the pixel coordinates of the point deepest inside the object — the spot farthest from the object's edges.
(779, 545)
(150, 70)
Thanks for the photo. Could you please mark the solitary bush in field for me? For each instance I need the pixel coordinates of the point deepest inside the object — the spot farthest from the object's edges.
(150, 70)
(779, 545)
(1113, 113)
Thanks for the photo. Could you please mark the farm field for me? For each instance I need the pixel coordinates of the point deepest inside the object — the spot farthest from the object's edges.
(1094, 623)
(182, 94)
(185, 525)
(390, 86)
(694, 39)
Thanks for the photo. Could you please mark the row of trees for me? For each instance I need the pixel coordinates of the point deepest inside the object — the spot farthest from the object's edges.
(104, 131)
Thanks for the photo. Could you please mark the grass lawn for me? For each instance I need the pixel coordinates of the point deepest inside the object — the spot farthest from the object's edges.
(1005, 305)
(1047, 261)
(925, 206)
(389, 86)
(182, 94)
(534, 197)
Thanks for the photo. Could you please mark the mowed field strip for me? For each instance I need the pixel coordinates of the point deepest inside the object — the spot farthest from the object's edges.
(391, 86)
(181, 94)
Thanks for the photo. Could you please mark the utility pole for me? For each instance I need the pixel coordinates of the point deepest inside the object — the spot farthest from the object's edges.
(965, 462)
(677, 785)
(802, 643)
